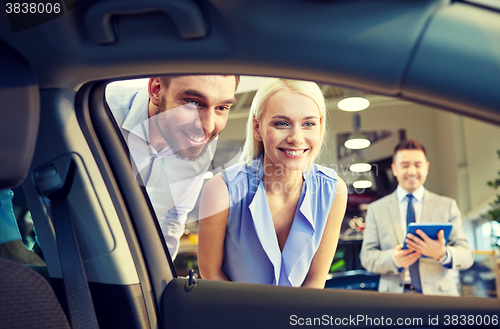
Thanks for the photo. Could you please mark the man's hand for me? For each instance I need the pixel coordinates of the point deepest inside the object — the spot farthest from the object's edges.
(405, 258)
(427, 246)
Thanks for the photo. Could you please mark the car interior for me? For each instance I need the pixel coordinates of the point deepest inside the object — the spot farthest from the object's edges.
(430, 69)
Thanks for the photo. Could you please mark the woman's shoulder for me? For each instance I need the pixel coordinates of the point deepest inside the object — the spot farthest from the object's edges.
(325, 172)
(236, 172)
(214, 191)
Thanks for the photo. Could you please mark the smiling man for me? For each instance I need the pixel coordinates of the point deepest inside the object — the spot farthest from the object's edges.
(171, 128)
(405, 270)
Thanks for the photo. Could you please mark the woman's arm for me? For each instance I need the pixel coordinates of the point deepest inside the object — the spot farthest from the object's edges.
(323, 258)
(214, 210)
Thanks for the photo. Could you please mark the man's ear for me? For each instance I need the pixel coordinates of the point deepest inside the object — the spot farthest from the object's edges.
(392, 167)
(256, 131)
(154, 87)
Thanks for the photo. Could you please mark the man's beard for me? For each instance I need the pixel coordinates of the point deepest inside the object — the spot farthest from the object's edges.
(175, 135)
(191, 153)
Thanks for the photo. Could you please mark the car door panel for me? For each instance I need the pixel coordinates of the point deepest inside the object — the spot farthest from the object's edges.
(110, 266)
(92, 208)
(116, 305)
(212, 304)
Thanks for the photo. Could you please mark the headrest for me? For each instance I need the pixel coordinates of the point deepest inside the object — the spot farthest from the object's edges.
(19, 116)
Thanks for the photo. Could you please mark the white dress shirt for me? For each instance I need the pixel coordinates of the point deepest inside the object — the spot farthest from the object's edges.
(173, 184)
(418, 195)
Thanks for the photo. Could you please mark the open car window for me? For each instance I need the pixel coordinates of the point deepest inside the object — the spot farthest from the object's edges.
(462, 153)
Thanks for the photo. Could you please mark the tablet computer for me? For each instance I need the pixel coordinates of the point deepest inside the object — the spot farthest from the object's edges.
(431, 229)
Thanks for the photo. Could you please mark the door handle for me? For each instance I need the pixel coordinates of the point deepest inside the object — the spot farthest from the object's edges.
(186, 15)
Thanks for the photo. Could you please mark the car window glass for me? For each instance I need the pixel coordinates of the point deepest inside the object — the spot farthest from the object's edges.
(462, 153)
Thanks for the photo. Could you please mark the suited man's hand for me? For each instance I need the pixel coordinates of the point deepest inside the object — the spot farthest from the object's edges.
(427, 246)
(406, 257)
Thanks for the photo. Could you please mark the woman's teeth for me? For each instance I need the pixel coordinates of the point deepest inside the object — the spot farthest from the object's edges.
(294, 153)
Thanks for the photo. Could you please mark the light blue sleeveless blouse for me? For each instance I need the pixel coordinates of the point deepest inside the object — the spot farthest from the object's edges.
(251, 250)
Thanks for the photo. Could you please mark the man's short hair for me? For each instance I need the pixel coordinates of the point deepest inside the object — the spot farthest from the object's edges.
(166, 79)
(409, 144)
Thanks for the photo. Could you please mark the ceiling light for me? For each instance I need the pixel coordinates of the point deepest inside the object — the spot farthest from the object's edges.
(360, 167)
(356, 139)
(353, 101)
(362, 184)
(357, 143)
(353, 104)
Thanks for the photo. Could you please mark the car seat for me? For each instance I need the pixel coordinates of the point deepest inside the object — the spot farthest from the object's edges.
(26, 298)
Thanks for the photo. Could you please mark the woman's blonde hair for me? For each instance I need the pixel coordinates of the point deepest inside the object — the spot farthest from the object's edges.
(254, 148)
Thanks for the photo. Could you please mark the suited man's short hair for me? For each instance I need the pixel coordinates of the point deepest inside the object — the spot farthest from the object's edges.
(409, 144)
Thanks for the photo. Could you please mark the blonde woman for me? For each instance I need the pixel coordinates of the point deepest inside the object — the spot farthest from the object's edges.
(275, 218)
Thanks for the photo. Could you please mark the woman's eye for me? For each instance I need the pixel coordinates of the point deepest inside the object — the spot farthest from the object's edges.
(280, 124)
(309, 124)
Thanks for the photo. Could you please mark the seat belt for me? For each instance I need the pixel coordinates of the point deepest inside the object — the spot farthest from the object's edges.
(80, 307)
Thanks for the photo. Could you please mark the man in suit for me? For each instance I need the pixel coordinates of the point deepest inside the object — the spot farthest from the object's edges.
(405, 270)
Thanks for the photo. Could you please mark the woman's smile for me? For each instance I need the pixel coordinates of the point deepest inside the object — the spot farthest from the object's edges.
(292, 153)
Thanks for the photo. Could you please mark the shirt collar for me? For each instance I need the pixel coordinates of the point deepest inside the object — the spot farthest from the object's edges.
(418, 193)
(139, 111)
(256, 169)
(299, 237)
